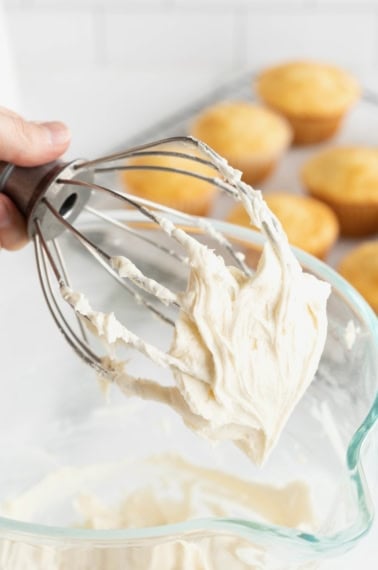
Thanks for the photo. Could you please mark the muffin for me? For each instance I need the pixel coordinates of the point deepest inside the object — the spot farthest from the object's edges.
(179, 191)
(314, 97)
(308, 223)
(346, 178)
(250, 137)
(360, 268)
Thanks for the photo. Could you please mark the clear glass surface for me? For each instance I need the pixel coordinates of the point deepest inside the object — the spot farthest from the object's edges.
(53, 416)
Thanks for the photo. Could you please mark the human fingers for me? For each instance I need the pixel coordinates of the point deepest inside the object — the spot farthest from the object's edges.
(12, 225)
(27, 143)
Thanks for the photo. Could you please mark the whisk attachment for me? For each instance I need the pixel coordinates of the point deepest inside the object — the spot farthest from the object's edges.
(52, 197)
(232, 334)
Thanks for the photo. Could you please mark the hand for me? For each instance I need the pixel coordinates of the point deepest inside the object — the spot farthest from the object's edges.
(26, 144)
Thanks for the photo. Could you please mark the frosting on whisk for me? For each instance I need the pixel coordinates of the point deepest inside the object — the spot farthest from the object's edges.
(245, 347)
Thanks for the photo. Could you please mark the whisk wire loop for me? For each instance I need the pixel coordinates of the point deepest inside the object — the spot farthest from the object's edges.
(54, 197)
(81, 347)
(148, 148)
(64, 270)
(104, 259)
(151, 210)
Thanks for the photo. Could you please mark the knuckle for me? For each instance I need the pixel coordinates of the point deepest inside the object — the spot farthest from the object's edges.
(22, 130)
(24, 138)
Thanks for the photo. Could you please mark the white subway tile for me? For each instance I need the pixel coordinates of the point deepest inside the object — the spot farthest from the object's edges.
(212, 4)
(109, 107)
(347, 4)
(108, 4)
(51, 38)
(13, 4)
(16, 4)
(344, 37)
(190, 4)
(253, 4)
(171, 37)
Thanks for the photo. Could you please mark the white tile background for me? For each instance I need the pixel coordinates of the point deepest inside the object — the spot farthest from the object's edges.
(112, 67)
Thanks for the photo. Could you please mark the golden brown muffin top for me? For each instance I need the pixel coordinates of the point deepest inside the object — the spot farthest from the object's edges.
(168, 186)
(242, 129)
(309, 224)
(305, 88)
(360, 268)
(344, 174)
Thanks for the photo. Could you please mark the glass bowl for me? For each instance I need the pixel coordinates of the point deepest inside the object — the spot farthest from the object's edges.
(62, 439)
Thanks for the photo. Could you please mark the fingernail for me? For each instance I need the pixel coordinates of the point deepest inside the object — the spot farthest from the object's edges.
(59, 134)
(5, 219)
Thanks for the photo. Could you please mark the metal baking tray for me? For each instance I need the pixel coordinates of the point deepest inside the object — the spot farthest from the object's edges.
(359, 128)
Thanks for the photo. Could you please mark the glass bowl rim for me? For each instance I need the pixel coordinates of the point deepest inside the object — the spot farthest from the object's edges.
(310, 543)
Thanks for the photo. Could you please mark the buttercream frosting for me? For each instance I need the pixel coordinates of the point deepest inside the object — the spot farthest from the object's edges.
(174, 491)
(245, 347)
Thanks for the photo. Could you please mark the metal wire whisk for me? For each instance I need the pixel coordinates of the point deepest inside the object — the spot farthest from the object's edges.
(52, 197)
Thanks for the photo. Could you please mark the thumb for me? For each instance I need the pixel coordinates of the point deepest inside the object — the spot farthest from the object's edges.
(29, 144)
(12, 226)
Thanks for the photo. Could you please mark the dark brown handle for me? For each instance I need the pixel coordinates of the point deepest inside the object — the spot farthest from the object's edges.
(26, 185)
(44, 194)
